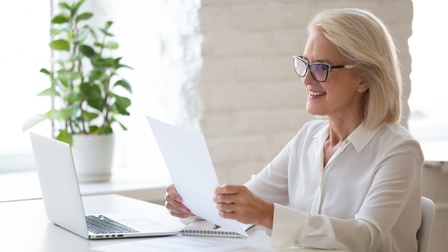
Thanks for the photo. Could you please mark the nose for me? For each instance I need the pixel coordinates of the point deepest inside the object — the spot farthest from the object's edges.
(308, 78)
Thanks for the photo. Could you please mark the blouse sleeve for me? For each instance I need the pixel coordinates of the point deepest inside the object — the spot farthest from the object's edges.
(271, 184)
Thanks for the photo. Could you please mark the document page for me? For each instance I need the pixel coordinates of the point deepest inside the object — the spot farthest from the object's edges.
(190, 166)
(170, 244)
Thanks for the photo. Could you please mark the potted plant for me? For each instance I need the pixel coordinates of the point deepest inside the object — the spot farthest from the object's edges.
(84, 84)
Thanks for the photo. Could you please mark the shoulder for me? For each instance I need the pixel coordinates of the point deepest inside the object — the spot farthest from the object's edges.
(397, 137)
(396, 132)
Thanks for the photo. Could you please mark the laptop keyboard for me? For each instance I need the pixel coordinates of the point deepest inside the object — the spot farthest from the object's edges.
(103, 225)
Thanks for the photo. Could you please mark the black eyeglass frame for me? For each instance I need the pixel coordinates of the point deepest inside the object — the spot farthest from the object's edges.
(308, 67)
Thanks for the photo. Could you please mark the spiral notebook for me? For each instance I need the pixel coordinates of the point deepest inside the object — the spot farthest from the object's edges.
(206, 228)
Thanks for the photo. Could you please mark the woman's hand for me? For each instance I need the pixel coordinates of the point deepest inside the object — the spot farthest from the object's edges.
(238, 203)
(173, 202)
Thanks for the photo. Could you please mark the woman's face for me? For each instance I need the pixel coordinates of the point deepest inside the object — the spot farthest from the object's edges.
(342, 93)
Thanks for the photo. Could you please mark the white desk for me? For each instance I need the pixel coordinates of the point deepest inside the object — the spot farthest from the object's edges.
(24, 226)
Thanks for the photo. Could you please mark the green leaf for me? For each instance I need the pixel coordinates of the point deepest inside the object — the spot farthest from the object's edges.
(93, 129)
(72, 97)
(63, 5)
(73, 58)
(75, 7)
(84, 16)
(51, 113)
(67, 77)
(90, 90)
(60, 19)
(33, 121)
(45, 71)
(93, 95)
(103, 63)
(51, 91)
(62, 28)
(123, 83)
(105, 130)
(67, 113)
(65, 137)
(78, 4)
(87, 51)
(125, 66)
(112, 45)
(122, 126)
(122, 103)
(83, 33)
(89, 116)
(119, 65)
(65, 74)
(92, 32)
(60, 45)
(107, 25)
(96, 103)
(106, 33)
(97, 75)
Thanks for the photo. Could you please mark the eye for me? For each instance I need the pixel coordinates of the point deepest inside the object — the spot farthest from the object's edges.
(320, 69)
(300, 66)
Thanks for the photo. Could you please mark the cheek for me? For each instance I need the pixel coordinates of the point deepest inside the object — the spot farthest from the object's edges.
(343, 82)
(341, 92)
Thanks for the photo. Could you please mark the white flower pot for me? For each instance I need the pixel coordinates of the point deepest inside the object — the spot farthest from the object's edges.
(93, 155)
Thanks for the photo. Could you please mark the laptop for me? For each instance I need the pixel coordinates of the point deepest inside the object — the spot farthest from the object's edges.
(63, 201)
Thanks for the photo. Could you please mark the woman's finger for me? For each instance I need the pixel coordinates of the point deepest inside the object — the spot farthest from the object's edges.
(173, 202)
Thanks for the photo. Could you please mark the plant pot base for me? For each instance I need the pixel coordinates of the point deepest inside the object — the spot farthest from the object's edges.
(94, 178)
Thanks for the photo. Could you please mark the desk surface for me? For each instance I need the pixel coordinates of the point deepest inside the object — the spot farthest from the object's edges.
(24, 226)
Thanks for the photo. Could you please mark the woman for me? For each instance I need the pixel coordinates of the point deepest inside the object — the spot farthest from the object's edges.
(349, 181)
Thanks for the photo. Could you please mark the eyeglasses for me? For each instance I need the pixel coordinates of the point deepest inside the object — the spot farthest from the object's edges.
(319, 71)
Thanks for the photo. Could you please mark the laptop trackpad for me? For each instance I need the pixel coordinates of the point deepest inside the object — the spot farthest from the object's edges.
(140, 223)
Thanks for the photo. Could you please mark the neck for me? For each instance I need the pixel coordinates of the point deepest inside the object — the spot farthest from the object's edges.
(339, 130)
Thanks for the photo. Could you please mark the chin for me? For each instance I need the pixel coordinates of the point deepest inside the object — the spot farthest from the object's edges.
(314, 112)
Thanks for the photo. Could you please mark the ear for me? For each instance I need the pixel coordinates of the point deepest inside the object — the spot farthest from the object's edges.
(362, 86)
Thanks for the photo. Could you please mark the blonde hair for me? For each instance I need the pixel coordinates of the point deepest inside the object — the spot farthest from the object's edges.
(366, 43)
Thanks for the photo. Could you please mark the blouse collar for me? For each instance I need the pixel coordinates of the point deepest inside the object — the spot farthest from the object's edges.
(360, 137)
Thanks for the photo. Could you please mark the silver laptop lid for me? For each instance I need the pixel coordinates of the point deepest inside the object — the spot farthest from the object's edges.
(62, 197)
(59, 184)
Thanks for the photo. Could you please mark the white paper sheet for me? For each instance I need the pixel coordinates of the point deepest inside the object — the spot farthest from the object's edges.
(170, 244)
(190, 166)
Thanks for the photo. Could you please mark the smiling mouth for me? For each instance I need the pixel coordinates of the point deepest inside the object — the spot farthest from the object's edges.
(315, 93)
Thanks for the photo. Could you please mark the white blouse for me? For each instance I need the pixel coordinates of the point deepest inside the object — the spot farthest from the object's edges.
(367, 197)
